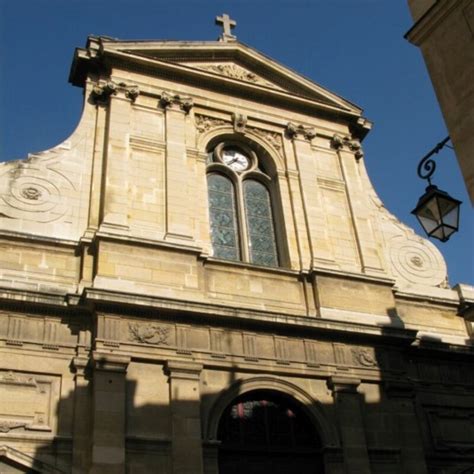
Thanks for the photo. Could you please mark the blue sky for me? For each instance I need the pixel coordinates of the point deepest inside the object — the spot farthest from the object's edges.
(352, 47)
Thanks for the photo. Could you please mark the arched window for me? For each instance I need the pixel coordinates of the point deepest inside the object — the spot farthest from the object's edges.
(265, 432)
(240, 206)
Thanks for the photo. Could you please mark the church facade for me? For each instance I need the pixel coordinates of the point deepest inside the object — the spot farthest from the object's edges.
(202, 279)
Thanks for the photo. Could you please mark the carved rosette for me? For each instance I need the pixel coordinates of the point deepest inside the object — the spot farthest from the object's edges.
(294, 131)
(417, 261)
(33, 189)
(338, 142)
(169, 100)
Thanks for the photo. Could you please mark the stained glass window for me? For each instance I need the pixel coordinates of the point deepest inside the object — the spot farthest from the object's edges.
(261, 235)
(224, 235)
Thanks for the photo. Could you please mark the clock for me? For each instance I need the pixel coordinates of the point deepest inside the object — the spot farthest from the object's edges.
(235, 159)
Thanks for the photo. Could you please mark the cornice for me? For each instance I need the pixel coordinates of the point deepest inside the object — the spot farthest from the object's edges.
(436, 14)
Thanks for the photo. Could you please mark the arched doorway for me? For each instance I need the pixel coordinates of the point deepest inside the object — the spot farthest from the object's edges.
(264, 431)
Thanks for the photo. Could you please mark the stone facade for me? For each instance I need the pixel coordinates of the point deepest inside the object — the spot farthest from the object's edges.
(124, 339)
(444, 32)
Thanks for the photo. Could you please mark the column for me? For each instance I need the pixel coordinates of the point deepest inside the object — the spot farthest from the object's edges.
(185, 416)
(109, 413)
(351, 427)
(81, 441)
(401, 396)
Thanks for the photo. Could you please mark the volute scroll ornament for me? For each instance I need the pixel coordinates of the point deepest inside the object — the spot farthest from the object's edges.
(101, 92)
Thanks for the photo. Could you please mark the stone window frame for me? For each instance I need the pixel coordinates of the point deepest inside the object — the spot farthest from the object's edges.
(258, 171)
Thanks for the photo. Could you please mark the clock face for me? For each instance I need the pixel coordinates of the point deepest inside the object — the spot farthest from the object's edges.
(235, 159)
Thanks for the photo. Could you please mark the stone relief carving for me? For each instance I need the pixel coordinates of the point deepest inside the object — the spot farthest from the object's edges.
(339, 142)
(272, 137)
(236, 72)
(363, 356)
(240, 122)
(168, 99)
(26, 401)
(149, 333)
(205, 123)
(294, 130)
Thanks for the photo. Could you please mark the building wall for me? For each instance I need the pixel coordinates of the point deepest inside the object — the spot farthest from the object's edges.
(123, 339)
(444, 32)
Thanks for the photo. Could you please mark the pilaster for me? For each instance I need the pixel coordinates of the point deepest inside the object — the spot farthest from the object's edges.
(185, 400)
(401, 396)
(81, 441)
(351, 427)
(109, 413)
(178, 219)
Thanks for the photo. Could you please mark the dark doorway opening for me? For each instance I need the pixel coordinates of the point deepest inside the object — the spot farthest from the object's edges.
(264, 431)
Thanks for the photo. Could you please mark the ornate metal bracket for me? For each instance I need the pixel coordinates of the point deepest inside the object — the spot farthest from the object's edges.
(427, 166)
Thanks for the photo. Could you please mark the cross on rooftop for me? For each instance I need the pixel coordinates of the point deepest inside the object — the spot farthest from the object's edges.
(227, 24)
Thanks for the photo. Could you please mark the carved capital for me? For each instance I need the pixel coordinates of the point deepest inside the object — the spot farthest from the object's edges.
(110, 362)
(399, 389)
(183, 370)
(175, 101)
(338, 142)
(240, 122)
(102, 92)
(343, 384)
(294, 131)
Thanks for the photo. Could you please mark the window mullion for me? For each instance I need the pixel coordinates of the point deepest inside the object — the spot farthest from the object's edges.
(242, 222)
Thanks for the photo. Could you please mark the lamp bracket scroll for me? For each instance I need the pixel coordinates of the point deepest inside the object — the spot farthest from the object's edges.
(427, 166)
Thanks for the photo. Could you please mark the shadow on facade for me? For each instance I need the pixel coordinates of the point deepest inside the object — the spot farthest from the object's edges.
(365, 417)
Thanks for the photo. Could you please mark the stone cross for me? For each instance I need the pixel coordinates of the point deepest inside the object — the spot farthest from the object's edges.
(227, 25)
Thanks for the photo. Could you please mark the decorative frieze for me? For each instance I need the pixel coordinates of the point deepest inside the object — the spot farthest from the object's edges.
(363, 356)
(249, 346)
(149, 333)
(295, 131)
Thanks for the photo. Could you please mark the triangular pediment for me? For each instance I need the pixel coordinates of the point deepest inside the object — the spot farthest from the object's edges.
(234, 63)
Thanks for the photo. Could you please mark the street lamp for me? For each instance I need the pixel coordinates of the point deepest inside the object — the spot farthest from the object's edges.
(437, 211)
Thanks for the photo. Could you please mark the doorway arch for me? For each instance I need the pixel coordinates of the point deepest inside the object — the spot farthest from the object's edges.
(266, 431)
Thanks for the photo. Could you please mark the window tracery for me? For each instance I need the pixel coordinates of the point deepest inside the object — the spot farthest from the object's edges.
(240, 206)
